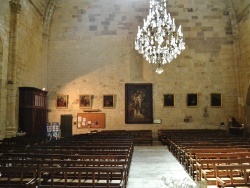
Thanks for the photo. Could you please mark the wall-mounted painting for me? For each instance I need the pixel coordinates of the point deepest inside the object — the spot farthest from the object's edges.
(216, 99)
(168, 100)
(138, 103)
(85, 101)
(62, 101)
(192, 99)
(108, 101)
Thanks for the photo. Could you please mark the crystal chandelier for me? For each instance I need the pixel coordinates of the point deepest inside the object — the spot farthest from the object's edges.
(158, 40)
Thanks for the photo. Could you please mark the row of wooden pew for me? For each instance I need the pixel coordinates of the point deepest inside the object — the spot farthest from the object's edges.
(140, 137)
(79, 161)
(211, 157)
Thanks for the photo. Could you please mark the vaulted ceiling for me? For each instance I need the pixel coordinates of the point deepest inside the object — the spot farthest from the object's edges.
(45, 8)
(40, 6)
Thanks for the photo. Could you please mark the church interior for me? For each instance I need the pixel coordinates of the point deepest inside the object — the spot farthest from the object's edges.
(90, 78)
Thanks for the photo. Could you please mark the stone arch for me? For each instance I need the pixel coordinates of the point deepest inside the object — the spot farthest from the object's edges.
(48, 16)
(46, 32)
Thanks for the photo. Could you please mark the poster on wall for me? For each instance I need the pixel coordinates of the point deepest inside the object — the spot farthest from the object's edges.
(138, 103)
(90, 120)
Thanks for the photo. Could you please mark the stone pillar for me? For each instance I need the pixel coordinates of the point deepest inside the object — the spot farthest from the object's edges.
(12, 86)
(47, 23)
(2, 95)
(238, 63)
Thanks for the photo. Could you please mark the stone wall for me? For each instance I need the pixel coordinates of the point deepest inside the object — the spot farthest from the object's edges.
(4, 30)
(91, 51)
(241, 27)
(21, 57)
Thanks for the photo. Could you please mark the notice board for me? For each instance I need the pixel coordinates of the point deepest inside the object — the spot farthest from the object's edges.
(90, 120)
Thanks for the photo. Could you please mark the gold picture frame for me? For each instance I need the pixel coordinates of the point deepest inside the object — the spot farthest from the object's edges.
(62, 101)
(85, 101)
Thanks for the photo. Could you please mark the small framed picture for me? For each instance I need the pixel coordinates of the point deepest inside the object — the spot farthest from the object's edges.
(216, 99)
(168, 100)
(108, 101)
(85, 101)
(192, 99)
(62, 101)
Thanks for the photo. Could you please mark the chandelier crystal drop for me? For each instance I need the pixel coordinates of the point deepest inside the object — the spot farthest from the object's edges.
(158, 40)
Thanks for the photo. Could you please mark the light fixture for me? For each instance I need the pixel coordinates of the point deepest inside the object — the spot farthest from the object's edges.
(158, 40)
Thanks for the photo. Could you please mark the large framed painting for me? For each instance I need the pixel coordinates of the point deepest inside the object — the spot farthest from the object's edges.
(138, 103)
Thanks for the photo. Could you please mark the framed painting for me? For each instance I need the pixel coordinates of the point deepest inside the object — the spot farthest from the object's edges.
(138, 103)
(62, 101)
(108, 101)
(168, 100)
(192, 99)
(85, 101)
(216, 100)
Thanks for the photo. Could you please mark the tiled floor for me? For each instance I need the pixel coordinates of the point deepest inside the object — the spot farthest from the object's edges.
(155, 167)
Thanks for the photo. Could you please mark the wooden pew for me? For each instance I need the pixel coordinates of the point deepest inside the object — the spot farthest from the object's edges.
(188, 156)
(18, 176)
(78, 152)
(140, 137)
(232, 180)
(215, 154)
(71, 176)
(27, 156)
(206, 168)
(188, 153)
(105, 154)
(68, 163)
(88, 177)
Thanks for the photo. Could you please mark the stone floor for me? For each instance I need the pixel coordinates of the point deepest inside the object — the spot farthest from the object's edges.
(155, 167)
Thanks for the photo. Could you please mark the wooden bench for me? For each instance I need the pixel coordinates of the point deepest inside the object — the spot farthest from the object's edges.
(206, 168)
(110, 156)
(18, 176)
(214, 154)
(88, 177)
(140, 137)
(233, 179)
(188, 156)
(98, 177)
(68, 163)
